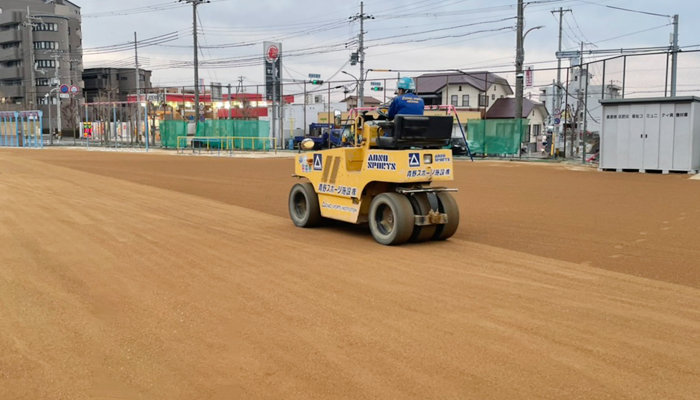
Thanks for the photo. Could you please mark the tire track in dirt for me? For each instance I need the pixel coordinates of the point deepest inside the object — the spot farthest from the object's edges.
(152, 293)
(571, 214)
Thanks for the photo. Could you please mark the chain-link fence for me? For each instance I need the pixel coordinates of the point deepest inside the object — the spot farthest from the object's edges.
(647, 75)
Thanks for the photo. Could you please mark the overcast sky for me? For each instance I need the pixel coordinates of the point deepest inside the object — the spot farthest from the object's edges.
(405, 34)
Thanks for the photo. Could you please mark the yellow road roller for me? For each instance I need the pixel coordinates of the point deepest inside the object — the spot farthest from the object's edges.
(387, 174)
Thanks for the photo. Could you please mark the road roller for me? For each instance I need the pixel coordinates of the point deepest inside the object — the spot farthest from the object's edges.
(387, 174)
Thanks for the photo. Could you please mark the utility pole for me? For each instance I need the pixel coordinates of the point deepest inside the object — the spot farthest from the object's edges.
(585, 113)
(138, 88)
(29, 24)
(57, 61)
(557, 87)
(195, 3)
(580, 102)
(230, 103)
(305, 100)
(361, 51)
(674, 64)
(519, 60)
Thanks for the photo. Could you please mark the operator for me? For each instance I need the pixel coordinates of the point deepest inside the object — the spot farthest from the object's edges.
(406, 103)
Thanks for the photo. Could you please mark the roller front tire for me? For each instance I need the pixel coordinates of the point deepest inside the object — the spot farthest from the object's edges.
(303, 205)
(391, 219)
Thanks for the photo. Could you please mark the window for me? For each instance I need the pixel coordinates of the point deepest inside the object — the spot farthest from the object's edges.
(42, 82)
(11, 45)
(12, 64)
(465, 100)
(453, 100)
(47, 27)
(11, 82)
(46, 45)
(142, 78)
(45, 63)
(493, 97)
(9, 27)
(124, 78)
(483, 100)
(537, 130)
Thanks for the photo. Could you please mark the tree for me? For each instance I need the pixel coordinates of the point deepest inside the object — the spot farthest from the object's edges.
(70, 113)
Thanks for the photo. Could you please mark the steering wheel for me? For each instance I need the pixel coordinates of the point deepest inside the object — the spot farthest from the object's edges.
(383, 112)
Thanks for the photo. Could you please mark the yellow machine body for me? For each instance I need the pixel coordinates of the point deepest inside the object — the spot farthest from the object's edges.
(346, 179)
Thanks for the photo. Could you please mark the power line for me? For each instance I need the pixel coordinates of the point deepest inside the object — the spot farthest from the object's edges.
(628, 9)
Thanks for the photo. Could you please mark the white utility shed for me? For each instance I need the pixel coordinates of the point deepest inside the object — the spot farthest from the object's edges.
(654, 134)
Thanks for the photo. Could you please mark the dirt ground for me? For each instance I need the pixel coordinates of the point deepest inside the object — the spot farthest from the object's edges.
(131, 276)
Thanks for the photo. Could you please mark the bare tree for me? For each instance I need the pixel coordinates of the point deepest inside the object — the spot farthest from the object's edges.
(69, 113)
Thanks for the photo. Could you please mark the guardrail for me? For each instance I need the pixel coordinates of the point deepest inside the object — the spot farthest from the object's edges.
(225, 144)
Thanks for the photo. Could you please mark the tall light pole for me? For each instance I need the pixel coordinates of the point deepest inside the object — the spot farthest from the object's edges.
(519, 61)
(195, 3)
(357, 82)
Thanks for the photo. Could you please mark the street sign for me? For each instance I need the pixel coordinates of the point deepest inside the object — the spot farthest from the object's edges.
(64, 95)
(65, 89)
(376, 83)
(216, 92)
(557, 121)
(201, 118)
(557, 113)
(74, 89)
(529, 76)
(273, 64)
(314, 76)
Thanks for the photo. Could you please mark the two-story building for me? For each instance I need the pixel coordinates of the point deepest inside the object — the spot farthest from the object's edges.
(473, 90)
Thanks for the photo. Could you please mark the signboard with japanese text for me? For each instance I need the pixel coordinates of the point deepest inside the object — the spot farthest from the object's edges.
(273, 66)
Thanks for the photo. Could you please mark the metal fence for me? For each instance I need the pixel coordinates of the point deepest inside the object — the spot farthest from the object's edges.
(619, 77)
(21, 129)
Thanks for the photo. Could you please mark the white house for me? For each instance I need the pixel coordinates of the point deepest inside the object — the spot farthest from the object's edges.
(475, 90)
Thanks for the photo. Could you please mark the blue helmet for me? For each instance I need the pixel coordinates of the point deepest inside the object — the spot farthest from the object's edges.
(407, 84)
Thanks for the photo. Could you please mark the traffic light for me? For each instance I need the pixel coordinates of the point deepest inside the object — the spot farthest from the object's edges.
(316, 82)
(377, 88)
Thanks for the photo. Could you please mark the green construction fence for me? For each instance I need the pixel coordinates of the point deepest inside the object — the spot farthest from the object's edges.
(497, 136)
(170, 131)
(215, 134)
